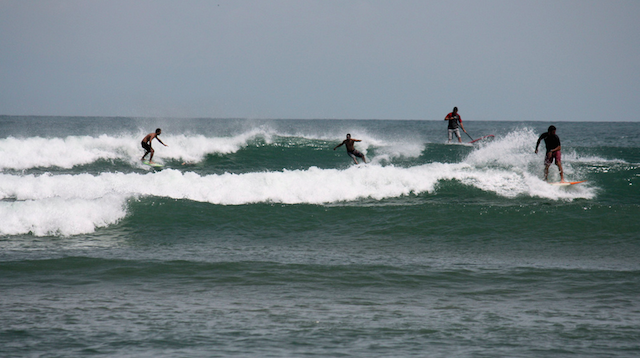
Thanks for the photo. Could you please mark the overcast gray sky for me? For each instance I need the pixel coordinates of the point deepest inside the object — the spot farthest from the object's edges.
(494, 59)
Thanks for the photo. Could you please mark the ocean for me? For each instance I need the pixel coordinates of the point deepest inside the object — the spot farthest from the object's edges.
(258, 239)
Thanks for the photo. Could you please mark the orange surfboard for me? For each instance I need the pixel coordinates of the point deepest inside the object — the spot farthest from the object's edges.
(565, 183)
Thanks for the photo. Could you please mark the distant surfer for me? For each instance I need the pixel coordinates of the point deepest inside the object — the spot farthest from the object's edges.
(146, 143)
(351, 150)
(454, 122)
(552, 141)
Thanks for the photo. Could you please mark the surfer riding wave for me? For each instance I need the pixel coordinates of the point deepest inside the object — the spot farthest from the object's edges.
(146, 144)
(351, 150)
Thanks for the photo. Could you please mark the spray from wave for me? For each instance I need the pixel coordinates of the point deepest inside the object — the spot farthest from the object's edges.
(70, 204)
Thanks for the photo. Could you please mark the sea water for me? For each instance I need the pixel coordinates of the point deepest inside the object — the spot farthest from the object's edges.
(257, 239)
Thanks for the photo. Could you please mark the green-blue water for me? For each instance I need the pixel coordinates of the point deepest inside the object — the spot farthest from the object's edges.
(258, 239)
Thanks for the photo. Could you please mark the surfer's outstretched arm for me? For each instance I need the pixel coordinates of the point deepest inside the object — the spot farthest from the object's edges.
(161, 141)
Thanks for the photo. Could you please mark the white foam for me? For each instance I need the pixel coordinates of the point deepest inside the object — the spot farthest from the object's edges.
(34, 152)
(61, 152)
(38, 152)
(194, 148)
(391, 151)
(74, 204)
(59, 216)
(309, 186)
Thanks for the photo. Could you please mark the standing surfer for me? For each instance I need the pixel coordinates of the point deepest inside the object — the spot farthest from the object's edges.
(146, 143)
(552, 142)
(454, 121)
(351, 150)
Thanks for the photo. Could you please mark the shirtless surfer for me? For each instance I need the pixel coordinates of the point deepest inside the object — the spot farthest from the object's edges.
(146, 143)
(351, 150)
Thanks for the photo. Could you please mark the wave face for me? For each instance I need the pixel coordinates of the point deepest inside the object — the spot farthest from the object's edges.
(61, 184)
(257, 238)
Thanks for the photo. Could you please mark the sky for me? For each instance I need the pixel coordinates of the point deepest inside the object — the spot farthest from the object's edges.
(541, 60)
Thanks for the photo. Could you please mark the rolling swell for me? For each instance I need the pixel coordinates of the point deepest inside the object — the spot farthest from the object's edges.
(97, 271)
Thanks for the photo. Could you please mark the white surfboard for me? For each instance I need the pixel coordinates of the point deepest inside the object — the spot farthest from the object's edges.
(152, 164)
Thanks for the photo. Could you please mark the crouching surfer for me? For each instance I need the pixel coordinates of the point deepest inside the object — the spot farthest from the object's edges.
(351, 150)
(146, 143)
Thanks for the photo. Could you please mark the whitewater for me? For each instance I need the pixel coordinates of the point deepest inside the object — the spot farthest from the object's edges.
(55, 201)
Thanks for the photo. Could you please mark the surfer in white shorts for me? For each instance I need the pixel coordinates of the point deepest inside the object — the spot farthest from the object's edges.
(146, 143)
(454, 122)
(351, 150)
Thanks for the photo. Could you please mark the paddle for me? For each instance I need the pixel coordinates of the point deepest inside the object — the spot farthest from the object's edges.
(469, 135)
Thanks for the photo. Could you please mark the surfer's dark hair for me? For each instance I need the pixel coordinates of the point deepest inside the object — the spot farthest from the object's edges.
(158, 130)
(551, 128)
(455, 109)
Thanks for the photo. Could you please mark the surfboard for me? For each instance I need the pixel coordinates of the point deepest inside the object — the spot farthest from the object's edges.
(458, 143)
(154, 165)
(485, 137)
(567, 183)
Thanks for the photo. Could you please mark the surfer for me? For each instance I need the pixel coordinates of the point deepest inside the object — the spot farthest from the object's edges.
(351, 150)
(146, 143)
(552, 142)
(454, 120)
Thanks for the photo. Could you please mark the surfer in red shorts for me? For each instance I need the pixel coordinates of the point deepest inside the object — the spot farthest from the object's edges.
(351, 150)
(552, 142)
(146, 143)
